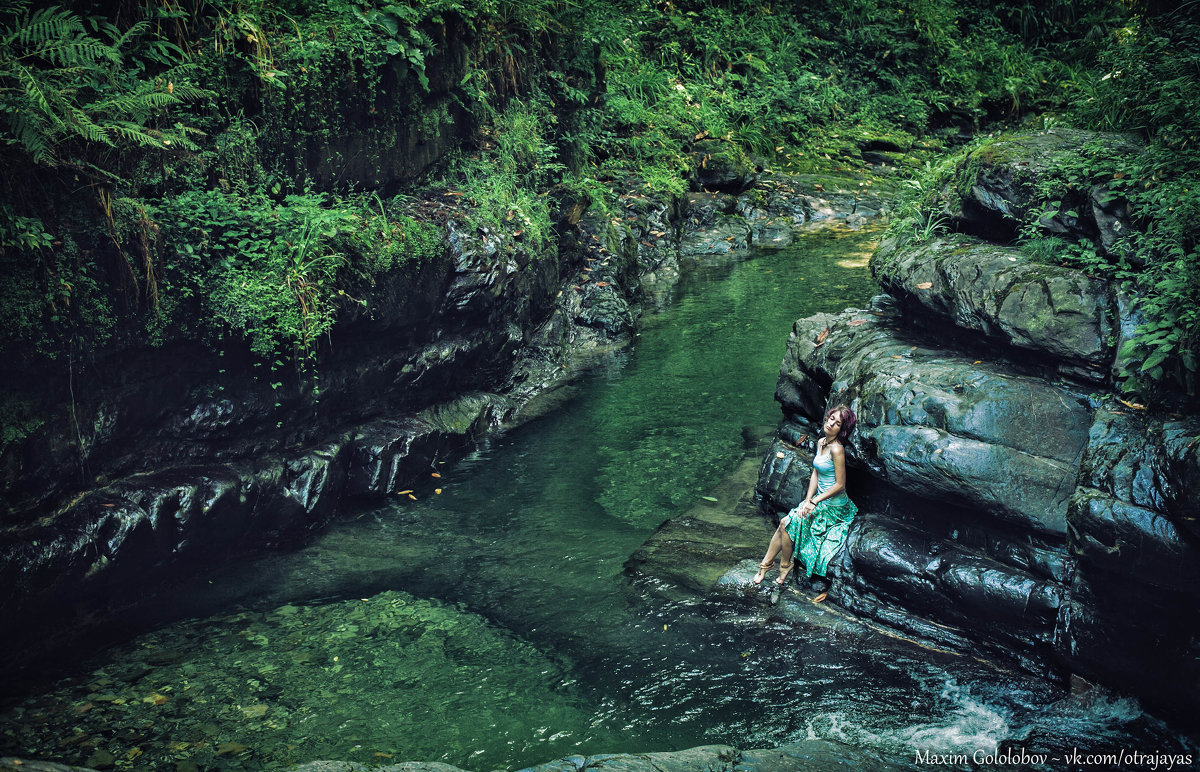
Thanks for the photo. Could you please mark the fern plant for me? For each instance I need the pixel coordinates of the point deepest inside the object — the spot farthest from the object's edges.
(61, 86)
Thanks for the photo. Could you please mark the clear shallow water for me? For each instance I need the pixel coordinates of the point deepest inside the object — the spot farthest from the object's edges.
(489, 626)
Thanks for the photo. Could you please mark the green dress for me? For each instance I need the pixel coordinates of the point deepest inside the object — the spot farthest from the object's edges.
(819, 536)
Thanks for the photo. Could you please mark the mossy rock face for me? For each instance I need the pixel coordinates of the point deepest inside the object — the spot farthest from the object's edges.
(999, 292)
(1008, 182)
(721, 166)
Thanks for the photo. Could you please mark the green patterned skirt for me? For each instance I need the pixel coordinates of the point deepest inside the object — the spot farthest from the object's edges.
(818, 537)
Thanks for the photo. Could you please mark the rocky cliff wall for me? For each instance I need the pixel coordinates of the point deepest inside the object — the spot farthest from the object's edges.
(1024, 509)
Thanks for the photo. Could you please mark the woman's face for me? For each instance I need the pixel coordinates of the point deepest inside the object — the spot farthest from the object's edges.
(833, 424)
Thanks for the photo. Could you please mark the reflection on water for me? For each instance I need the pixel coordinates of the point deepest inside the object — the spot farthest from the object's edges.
(488, 626)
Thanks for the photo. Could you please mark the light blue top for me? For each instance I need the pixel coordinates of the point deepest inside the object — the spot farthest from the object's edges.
(826, 476)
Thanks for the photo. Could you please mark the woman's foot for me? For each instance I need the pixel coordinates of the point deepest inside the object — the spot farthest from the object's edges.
(822, 585)
(784, 570)
(763, 568)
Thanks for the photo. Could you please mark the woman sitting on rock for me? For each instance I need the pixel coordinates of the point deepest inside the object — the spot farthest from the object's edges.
(816, 529)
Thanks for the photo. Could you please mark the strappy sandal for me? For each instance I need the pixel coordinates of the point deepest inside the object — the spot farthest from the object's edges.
(784, 570)
(763, 568)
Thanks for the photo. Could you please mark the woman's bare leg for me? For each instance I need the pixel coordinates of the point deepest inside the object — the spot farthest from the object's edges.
(777, 543)
(786, 559)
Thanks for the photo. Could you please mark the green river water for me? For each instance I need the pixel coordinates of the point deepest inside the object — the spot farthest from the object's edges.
(490, 627)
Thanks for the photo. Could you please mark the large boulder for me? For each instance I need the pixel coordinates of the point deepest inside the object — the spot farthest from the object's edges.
(935, 423)
(1003, 185)
(1000, 292)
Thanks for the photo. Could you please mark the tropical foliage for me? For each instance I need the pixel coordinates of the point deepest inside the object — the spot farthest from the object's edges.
(229, 171)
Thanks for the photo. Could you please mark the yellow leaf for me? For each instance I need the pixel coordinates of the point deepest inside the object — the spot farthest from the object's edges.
(977, 362)
(414, 498)
(434, 474)
(438, 491)
(401, 493)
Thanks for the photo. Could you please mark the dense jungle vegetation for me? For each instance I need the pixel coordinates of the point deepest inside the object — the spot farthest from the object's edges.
(239, 171)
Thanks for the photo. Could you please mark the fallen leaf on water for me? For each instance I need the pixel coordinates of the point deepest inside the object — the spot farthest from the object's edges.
(925, 285)
(709, 498)
(977, 362)
(856, 322)
(434, 474)
(414, 498)
(438, 491)
(401, 493)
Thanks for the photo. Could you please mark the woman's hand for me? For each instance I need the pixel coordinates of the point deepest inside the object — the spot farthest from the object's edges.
(807, 508)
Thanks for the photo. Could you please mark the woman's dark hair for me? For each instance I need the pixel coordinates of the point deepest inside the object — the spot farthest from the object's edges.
(848, 420)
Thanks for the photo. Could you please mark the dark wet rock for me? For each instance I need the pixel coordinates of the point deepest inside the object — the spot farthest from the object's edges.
(712, 227)
(772, 233)
(936, 423)
(1117, 631)
(999, 292)
(895, 566)
(1001, 181)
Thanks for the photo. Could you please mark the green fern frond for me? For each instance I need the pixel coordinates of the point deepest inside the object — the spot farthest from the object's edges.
(132, 132)
(46, 24)
(139, 105)
(74, 52)
(133, 32)
(86, 128)
(32, 138)
(36, 94)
